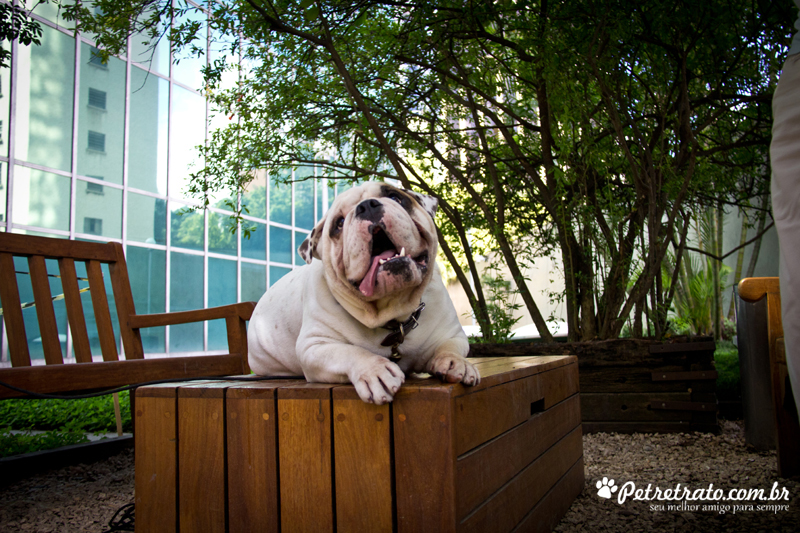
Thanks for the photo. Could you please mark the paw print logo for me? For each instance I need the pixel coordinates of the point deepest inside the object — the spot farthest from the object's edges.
(606, 487)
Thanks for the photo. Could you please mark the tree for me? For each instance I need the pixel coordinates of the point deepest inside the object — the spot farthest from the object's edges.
(588, 128)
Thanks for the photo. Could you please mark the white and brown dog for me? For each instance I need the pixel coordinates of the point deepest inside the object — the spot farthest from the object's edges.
(353, 315)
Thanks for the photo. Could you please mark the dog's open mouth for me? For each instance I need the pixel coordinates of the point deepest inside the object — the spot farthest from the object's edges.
(385, 255)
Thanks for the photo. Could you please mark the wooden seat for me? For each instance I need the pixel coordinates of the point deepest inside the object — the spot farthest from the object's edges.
(787, 427)
(56, 376)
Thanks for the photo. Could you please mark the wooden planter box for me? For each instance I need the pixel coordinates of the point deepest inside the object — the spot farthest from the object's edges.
(296, 456)
(637, 385)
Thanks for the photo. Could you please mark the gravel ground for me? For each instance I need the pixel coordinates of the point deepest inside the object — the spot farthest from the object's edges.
(85, 497)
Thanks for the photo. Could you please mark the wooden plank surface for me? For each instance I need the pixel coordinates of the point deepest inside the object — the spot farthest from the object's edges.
(123, 299)
(552, 508)
(75, 316)
(753, 289)
(424, 459)
(252, 441)
(505, 508)
(363, 452)
(631, 407)
(484, 470)
(25, 245)
(202, 501)
(305, 462)
(12, 313)
(102, 315)
(48, 327)
(156, 450)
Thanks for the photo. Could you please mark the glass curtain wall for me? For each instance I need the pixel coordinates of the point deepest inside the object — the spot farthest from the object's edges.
(103, 152)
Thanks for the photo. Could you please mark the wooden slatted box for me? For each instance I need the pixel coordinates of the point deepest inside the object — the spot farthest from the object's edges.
(288, 456)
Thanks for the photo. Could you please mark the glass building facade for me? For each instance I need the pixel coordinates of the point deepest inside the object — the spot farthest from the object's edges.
(103, 152)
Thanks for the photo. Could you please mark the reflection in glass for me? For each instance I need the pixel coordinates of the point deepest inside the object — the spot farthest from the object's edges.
(5, 101)
(152, 55)
(147, 269)
(254, 247)
(276, 273)
(304, 198)
(221, 233)
(29, 316)
(186, 294)
(187, 65)
(280, 245)
(222, 277)
(40, 199)
(147, 141)
(98, 210)
(88, 308)
(44, 101)
(147, 219)
(254, 282)
(187, 131)
(280, 198)
(254, 199)
(186, 227)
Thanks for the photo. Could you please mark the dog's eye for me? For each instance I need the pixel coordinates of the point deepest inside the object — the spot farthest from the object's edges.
(396, 197)
(340, 223)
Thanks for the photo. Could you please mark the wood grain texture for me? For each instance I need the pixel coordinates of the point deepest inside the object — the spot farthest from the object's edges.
(424, 459)
(202, 499)
(12, 313)
(305, 460)
(788, 434)
(505, 508)
(102, 315)
(74, 305)
(123, 299)
(252, 439)
(632, 407)
(48, 327)
(26, 245)
(753, 289)
(484, 470)
(552, 508)
(362, 445)
(156, 451)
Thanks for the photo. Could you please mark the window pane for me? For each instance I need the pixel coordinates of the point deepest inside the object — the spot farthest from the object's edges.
(153, 56)
(255, 247)
(41, 199)
(98, 210)
(187, 132)
(221, 233)
(280, 245)
(304, 199)
(88, 308)
(3, 190)
(44, 100)
(186, 227)
(147, 141)
(254, 282)
(49, 11)
(222, 277)
(101, 129)
(276, 273)
(280, 199)
(186, 67)
(255, 197)
(147, 219)
(299, 237)
(147, 269)
(5, 93)
(186, 294)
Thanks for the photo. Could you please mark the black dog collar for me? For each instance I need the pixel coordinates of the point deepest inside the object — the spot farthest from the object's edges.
(398, 332)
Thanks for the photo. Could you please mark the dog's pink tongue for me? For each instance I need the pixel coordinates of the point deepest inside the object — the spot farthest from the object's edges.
(367, 286)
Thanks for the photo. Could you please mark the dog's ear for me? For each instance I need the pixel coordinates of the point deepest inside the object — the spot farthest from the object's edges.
(308, 248)
(428, 203)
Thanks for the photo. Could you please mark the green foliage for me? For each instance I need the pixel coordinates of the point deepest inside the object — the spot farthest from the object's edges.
(501, 306)
(85, 415)
(16, 25)
(726, 358)
(19, 443)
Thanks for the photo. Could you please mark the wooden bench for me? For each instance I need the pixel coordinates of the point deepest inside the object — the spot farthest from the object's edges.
(86, 374)
(786, 423)
(294, 456)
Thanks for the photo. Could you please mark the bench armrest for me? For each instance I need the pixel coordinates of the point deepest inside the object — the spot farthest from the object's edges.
(242, 310)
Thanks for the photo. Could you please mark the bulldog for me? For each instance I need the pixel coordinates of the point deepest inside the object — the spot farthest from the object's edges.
(369, 307)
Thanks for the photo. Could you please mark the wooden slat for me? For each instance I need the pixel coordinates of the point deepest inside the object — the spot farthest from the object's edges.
(48, 328)
(123, 299)
(12, 313)
(424, 452)
(87, 376)
(788, 430)
(252, 439)
(505, 508)
(305, 462)
(202, 502)
(102, 315)
(629, 407)
(26, 245)
(753, 289)
(362, 444)
(552, 508)
(77, 320)
(156, 450)
(483, 471)
(237, 339)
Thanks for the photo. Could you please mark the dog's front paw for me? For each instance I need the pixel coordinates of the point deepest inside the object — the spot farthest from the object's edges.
(378, 380)
(454, 369)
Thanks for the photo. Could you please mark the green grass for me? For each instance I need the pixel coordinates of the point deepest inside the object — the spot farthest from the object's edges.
(726, 358)
(66, 422)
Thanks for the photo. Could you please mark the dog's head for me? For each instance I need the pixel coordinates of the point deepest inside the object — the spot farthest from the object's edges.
(378, 244)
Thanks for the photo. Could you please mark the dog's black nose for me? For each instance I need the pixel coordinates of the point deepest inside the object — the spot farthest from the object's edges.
(371, 210)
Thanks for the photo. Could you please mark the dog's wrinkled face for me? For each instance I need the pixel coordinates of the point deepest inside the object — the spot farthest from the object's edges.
(377, 240)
